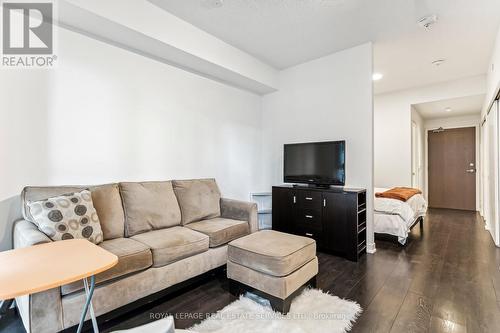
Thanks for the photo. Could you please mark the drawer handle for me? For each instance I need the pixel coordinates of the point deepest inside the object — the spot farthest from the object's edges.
(308, 234)
(309, 216)
(309, 198)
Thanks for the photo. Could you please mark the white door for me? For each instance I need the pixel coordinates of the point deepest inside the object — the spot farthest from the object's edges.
(414, 156)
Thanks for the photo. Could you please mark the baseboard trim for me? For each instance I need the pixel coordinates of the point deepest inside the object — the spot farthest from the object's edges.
(370, 248)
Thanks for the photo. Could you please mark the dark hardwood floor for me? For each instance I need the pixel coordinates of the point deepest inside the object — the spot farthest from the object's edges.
(446, 279)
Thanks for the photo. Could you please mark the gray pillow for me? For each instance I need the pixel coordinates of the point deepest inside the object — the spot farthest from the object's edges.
(67, 216)
(199, 199)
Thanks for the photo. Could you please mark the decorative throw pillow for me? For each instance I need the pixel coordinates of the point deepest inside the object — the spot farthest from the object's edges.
(67, 216)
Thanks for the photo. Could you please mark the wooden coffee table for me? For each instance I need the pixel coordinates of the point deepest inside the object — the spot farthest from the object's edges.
(50, 265)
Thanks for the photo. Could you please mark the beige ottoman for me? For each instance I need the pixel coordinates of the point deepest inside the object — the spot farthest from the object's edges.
(272, 264)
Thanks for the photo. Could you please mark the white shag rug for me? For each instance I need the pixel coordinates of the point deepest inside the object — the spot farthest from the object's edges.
(311, 311)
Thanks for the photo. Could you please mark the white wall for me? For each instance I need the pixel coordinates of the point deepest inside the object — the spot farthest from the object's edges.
(493, 77)
(325, 99)
(453, 122)
(105, 115)
(457, 122)
(392, 135)
(393, 125)
(23, 141)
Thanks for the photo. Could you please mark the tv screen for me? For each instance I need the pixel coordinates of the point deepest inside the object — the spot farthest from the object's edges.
(320, 163)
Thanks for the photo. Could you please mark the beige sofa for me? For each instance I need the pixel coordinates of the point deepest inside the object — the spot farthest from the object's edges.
(162, 232)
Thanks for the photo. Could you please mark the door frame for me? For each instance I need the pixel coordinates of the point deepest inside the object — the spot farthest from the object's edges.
(434, 124)
(415, 160)
(491, 176)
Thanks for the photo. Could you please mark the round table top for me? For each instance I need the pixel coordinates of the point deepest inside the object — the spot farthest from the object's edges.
(45, 266)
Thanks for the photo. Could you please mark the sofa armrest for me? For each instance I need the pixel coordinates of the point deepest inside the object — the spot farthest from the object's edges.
(27, 234)
(40, 312)
(240, 210)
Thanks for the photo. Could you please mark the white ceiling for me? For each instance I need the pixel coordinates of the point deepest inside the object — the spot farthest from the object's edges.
(462, 106)
(284, 33)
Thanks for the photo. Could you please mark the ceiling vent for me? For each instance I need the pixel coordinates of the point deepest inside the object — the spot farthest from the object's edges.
(427, 22)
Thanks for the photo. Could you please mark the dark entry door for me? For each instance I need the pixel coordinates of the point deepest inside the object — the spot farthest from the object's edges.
(452, 168)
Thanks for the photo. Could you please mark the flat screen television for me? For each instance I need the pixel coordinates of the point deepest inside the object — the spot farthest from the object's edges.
(318, 163)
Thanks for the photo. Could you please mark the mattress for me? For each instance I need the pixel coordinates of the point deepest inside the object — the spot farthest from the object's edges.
(395, 217)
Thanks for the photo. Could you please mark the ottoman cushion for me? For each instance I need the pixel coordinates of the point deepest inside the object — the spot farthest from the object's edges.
(280, 287)
(272, 252)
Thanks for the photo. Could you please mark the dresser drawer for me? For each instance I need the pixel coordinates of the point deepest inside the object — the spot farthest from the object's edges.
(309, 218)
(309, 232)
(309, 199)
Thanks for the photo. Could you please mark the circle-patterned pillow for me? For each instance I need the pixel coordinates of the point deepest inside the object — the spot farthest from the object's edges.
(67, 216)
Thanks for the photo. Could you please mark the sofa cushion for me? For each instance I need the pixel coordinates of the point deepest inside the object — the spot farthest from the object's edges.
(172, 244)
(149, 206)
(108, 204)
(132, 256)
(220, 230)
(199, 199)
(272, 252)
(67, 216)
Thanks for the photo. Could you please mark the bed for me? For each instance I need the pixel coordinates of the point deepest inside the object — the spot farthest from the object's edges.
(395, 217)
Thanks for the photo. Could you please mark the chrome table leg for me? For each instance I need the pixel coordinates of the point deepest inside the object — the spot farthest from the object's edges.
(92, 313)
(88, 303)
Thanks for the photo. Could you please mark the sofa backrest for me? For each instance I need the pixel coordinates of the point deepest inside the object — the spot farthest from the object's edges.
(149, 206)
(130, 208)
(106, 199)
(199, 199)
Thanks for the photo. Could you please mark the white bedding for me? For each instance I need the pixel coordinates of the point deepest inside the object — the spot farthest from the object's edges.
(395, 217)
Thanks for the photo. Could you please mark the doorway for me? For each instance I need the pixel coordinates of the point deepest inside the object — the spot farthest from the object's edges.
(452, 168)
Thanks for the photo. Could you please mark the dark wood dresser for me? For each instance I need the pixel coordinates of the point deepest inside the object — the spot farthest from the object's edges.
(334, 217)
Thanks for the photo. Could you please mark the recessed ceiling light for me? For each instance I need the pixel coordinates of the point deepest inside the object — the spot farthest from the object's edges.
(448, 109)
(438, 62)
(377, 76)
